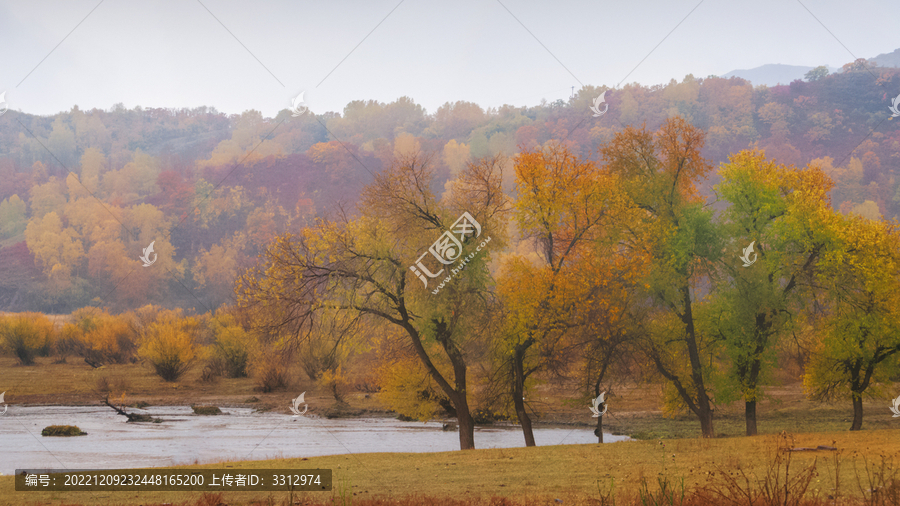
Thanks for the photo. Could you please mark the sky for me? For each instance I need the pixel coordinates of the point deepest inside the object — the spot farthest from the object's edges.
(237, 56)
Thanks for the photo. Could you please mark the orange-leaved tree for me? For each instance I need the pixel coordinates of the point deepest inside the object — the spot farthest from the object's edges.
(563, 205)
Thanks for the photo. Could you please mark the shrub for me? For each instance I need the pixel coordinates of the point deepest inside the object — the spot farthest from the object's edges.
(100, 338)
(213, 370)
(206, 410)
(169, 344)
(27, 335)
(232, 347)
(401, 382)
(270, 372)
(336, 382)
(62, 431)
(103, 385)
(486, 417)
(113, 384)
(367, 386)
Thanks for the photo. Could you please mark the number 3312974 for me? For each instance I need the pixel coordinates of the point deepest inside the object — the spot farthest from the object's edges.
(297, 480)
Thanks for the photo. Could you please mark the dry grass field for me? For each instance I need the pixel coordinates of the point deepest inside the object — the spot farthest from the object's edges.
(574, 474)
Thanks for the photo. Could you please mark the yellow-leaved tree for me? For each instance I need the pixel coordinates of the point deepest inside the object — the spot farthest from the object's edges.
(57, 250)
(12, 217)
(785, 214)
(363, 266)
(860, 334)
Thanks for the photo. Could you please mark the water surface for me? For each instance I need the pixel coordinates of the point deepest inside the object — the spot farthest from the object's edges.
(239, 434)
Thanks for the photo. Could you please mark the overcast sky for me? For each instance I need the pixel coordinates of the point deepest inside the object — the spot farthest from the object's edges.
(237, 56)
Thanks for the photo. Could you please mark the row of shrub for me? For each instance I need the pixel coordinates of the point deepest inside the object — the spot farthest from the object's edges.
(165, 339)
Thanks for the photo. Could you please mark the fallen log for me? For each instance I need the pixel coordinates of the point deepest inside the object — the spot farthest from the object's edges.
(806, 449)
(131, 416)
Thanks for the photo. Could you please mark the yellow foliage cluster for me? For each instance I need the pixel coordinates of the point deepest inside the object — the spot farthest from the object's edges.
(169, 344)
(336, 381)
(402, 382)
(99, 336)
(26, 335)
(234, 348)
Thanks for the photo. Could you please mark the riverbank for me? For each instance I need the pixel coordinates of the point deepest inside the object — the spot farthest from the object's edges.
(633, 409)
(573, 474)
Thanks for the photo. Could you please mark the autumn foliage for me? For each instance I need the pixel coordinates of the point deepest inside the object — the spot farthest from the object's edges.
(169, 344)
(614, 250)
(27, 336)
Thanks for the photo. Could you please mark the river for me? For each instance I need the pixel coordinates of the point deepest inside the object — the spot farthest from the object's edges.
(239, 434)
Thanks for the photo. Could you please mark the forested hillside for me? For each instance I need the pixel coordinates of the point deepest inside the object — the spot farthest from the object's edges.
(83, 192)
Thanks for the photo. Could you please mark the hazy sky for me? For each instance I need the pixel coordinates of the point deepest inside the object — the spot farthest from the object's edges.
(236, 56)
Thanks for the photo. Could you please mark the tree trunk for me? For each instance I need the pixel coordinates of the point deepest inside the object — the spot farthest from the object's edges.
(519, 392)
(460, 402)
(857, 412)
(606, 359)
(706, 421)
(749, 376)
(750, 405)
(750, 417)
(466, 424)
(858, 384)
(704, 410)
(456, 395)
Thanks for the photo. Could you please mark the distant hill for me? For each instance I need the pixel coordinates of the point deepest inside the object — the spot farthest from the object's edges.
(773, 74)
(212, 190)
(887, 59)
(776, 73)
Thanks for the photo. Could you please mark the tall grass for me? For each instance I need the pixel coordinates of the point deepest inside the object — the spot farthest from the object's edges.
(782, 483)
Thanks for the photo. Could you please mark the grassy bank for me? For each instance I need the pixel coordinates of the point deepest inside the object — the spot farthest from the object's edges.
(633, 410)
(576, 474)
(76, 383)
